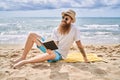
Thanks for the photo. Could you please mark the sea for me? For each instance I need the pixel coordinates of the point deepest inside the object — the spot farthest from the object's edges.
(93, 30)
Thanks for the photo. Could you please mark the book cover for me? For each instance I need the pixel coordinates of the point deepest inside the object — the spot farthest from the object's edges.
(50, 45)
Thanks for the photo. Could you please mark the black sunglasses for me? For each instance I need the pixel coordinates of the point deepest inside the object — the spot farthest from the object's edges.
(65, 18)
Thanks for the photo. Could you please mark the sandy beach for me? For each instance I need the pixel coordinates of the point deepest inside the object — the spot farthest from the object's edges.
(108, 69)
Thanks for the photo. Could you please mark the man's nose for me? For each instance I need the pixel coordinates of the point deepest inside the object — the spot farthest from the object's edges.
(64, 20)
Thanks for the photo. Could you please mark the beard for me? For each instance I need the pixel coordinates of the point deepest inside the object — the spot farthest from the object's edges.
(64, 28)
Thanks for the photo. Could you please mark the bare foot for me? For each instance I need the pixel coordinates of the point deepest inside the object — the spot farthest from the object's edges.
(19, 64)
(18, 60)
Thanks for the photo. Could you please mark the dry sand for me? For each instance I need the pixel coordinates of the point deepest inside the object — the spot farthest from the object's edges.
(108, 69)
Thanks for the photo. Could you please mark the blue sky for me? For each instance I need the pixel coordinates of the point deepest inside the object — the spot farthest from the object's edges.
(53, 8)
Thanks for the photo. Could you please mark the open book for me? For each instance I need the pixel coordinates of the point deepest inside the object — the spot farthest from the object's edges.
(50, 45)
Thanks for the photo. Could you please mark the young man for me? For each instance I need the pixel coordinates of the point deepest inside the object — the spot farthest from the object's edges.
(64, 36)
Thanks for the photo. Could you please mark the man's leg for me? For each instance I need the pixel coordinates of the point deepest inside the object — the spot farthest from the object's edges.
(38, 58)
(32, 38)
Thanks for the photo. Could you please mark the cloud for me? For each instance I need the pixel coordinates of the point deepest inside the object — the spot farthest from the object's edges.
(12, 5)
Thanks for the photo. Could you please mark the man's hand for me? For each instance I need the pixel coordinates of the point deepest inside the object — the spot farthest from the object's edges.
(86, 60)
(49, 51)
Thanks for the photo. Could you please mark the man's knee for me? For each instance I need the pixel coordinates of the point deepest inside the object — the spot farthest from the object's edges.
(32, 35)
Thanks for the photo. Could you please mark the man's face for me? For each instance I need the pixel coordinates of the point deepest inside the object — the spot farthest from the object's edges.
(65, 24)
(66, 20)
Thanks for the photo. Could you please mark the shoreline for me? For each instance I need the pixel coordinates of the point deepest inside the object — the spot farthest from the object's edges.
(84, 44)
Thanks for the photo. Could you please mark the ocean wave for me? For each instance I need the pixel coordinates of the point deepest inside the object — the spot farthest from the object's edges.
(3, 24)
(13, 38)
(17, 29)
(99, 25)
(100, 28)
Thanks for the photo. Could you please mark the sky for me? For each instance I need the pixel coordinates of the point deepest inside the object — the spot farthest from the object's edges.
(53, 8)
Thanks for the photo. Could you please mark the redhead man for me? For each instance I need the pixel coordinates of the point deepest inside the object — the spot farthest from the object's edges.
(64, 36)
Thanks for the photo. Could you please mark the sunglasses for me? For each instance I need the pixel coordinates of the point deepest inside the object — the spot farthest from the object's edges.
(65, 18)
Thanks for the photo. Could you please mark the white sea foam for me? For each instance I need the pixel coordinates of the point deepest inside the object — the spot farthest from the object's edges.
(98, 25)
(3, 24)
(13, 38)
(17, 29)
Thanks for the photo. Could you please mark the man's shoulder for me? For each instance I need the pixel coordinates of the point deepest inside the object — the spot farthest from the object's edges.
(74, 27)
(55, 29)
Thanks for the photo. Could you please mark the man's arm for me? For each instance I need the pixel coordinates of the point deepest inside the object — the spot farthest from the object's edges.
(82, 50)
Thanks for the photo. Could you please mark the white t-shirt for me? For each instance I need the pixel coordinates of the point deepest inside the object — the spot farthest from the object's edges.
(65, 41)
